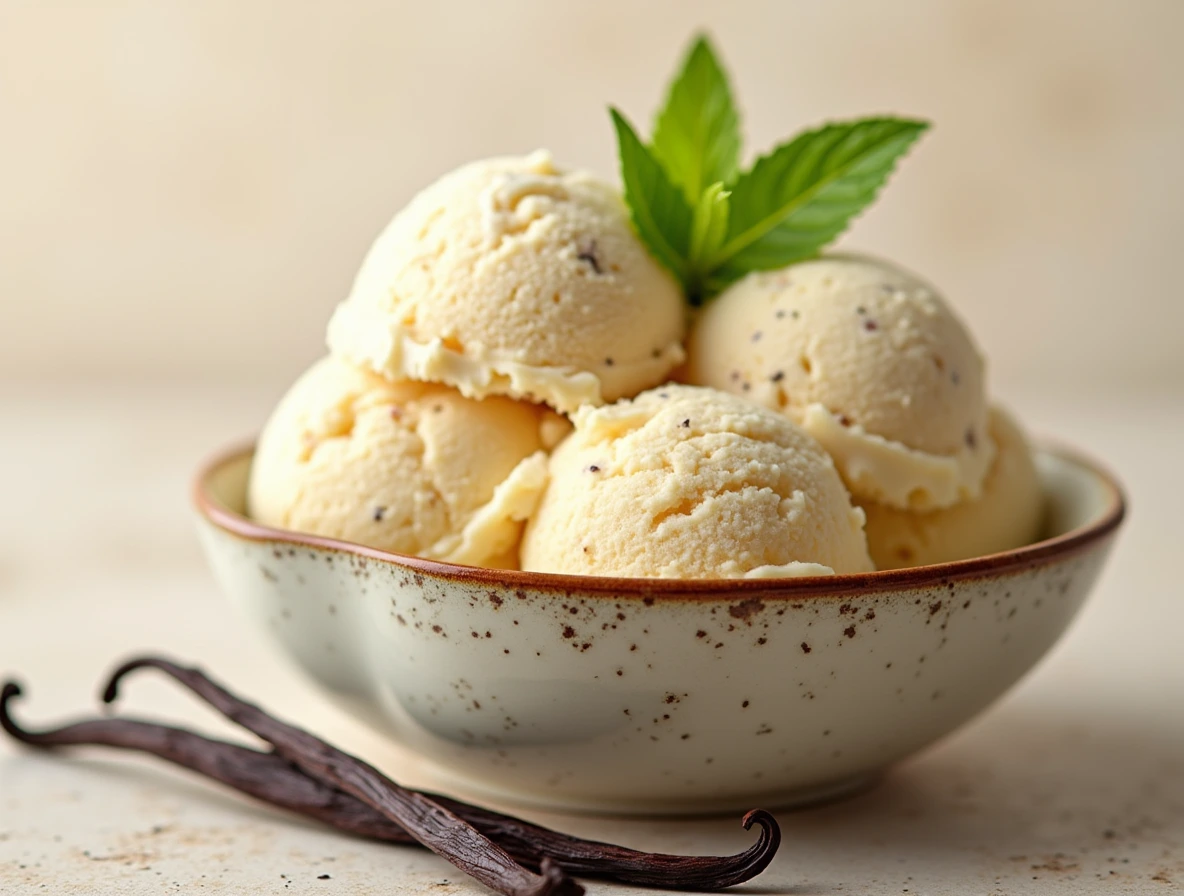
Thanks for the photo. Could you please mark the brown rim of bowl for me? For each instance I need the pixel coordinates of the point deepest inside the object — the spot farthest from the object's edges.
(842, 585)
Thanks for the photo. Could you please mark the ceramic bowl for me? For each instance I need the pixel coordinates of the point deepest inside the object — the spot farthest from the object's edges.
(643, 695)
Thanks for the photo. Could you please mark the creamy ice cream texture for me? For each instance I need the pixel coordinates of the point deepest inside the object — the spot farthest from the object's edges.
(683, 482)
(870, 360)
(1007, 515)
(511, 276)
(414, 468)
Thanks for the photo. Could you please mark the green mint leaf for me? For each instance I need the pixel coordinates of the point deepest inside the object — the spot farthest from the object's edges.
(697, 131)
(799, 197)
(659, 211)
(709, 225)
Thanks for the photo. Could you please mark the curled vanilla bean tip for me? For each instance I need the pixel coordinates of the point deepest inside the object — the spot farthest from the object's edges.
(8, 724)
(111, 690)
(770, 840)
(769, 828)
(10, 690)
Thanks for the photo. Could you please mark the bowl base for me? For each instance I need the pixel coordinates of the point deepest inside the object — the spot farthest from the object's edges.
(682, 805)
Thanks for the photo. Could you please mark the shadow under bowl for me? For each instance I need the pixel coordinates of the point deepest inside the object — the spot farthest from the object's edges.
(660, 696)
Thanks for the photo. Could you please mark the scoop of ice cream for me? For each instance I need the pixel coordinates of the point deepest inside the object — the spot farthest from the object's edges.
(870, 360)
(684, 482)
(510, 276)
(413, 468)
(1007, 515)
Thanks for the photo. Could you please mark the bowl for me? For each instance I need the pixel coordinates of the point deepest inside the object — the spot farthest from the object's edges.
(660, 696)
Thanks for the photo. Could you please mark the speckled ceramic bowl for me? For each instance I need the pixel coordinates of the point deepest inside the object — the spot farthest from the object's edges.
(640, 695)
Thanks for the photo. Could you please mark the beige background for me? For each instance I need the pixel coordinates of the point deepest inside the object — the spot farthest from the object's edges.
(186, 186)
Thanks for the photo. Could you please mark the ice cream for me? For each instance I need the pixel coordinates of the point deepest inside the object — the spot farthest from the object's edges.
(413, 468)
(870, 360)
(683, 482)
(510, 276)
(1007, 515)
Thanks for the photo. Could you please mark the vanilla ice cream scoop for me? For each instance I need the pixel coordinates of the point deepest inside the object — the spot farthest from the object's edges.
(1007, 515)
(683, 482)
(413, 468)
(870, 360)
(510, 276)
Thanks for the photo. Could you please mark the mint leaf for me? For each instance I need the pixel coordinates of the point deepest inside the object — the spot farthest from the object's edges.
(697, 131)
(804, 193)
(659, 211)
(708, 226)
(709, 223)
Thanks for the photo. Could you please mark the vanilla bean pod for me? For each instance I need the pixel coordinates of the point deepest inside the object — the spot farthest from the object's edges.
(441, 831)
(261, 775)
(272, 780)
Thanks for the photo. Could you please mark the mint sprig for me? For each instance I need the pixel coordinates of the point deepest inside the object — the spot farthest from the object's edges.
(710, 223)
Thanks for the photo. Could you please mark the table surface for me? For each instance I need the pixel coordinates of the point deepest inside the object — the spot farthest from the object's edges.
(1073, 783)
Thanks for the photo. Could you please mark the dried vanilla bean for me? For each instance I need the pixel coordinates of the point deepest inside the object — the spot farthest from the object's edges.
(273, 780)
(441, 831)
(264, 776)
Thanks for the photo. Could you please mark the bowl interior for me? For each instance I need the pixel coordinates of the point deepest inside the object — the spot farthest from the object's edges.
(225, 483)
(1076, 496)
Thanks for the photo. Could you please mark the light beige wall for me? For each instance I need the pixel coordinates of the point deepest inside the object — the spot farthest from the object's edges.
(186, 186)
